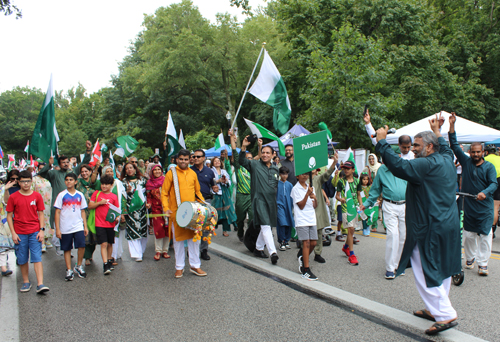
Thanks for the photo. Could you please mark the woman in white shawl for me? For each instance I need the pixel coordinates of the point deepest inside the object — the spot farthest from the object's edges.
(372, 167)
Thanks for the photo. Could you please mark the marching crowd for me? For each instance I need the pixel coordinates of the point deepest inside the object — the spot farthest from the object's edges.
(78, 206)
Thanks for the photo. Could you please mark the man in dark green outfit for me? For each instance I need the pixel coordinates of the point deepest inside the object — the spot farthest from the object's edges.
(432, 227)
(243, 204)
(264, 186)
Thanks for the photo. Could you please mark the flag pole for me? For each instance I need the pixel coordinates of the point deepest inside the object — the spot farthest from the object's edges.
(248, 85)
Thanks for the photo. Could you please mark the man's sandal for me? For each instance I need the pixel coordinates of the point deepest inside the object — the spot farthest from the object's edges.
(424, 314)
(438, 327)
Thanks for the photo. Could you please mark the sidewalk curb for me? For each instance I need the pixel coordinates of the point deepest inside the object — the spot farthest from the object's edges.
(9, 304)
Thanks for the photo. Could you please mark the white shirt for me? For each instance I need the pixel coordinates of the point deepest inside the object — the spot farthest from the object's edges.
(409, 156)
(307, 216)
(71, 207)
(217, 177)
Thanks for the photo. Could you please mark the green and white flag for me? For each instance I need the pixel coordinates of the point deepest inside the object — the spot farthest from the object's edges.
(219, 142)
(45, 138)
(137, 201)
(181, 139)
(261, 132)
(27, 148)
(351, 207)
(173, 145)
(126, 145)
(349, 156)
(113, 213)
(270, 88)
(372, 214)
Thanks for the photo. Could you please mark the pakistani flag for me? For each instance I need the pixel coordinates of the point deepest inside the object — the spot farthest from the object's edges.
(126, 145)
(137, 201)
(27, 148)
(349, 156)
(324, 127)
(45, 137)
(219, 142)
(270, 88)
(372, 214)
(173, 145)
(351, 207)
(181, 139)
(261, 132)
(113, 213)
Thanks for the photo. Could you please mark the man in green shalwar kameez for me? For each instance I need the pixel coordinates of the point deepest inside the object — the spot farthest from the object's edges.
(432, 227)
(264, 185)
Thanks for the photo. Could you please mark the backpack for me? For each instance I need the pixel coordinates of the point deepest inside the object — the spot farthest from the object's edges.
(329, 188)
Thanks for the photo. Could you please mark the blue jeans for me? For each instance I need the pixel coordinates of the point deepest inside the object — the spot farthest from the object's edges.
(28, 246)
(284, 233)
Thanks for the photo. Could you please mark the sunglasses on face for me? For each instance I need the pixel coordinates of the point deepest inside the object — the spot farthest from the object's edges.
(14, 178)
(197, 156)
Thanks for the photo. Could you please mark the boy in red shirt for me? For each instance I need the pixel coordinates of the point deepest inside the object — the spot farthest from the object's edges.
(26, 222)
(104, 230)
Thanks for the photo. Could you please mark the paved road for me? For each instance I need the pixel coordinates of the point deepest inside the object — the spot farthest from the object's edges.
(142, 301)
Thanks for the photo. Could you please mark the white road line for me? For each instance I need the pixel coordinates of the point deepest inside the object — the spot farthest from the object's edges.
(319, 287)
(9, 304)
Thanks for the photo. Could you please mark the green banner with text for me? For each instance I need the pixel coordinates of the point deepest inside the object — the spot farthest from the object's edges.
(310, 152)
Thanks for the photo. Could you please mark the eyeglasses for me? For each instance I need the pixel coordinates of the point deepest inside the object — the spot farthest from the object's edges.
(198, 156)
(25, 181)
(14, 178)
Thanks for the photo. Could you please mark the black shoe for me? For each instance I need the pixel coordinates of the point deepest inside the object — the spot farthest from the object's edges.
(240, 238)
(110, 263)
(204, 255)
(282, 246)
(274, 258)
(293, 240)
(235, 228)
(319, 258)
(308, 275)
(260, 254)
(106, 269)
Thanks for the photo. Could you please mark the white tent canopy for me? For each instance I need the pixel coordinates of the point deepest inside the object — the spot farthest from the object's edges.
(467, 131)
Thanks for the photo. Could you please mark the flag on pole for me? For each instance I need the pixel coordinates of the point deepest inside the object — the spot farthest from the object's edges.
(112, 163)
(324, 127)
(351, 207)
(12, 161)
(96, 154)
(22, 163)
(349, 156)
(126, 145)
(261, 132)
(173, 145)
(45, 137)
(27, 148)
(181, 140)
(270, 88)
(32, 163)
(219, 142)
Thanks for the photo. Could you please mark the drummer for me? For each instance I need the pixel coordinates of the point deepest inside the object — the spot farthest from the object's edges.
(189, 189)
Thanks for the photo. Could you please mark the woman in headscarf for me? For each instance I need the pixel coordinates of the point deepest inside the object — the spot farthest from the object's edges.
(43, 187)
(222, 198)
(118, 190)
(372, 167)
(134, 209)
(87, 184)
(153, 194)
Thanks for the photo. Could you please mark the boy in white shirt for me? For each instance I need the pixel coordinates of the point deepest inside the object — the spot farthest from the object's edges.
(71, 224)
(304, 203)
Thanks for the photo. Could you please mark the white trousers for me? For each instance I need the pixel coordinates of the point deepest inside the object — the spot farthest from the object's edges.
(478, 246)
(161, 245)
(329, 217)
(137, 247)
(394, 218)
(3, 259)
(118, 245)
(180, 253)
(436, 299)
(266, 238)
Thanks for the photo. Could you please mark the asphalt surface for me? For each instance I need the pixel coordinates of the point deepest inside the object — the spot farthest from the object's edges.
(143, 301)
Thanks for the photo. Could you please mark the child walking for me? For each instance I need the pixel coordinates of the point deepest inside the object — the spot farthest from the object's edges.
(71, 224)
(363, 191)
(304, 203)
(284, 222)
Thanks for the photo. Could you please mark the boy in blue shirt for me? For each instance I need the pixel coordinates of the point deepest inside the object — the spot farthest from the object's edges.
(71, 224)
(284, 222)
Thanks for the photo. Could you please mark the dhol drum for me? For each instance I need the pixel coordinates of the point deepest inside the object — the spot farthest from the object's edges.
(192, 215)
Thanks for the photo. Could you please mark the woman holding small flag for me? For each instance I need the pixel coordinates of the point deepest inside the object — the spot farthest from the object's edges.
(134, 210)
(222, 198)
(153, 194)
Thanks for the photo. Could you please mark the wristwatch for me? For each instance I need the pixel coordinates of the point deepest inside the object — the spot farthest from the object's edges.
(42, 229)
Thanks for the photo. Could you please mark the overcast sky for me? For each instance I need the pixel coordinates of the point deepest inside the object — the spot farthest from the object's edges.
(78, 41)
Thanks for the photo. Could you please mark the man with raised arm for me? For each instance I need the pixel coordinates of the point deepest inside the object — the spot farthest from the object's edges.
(432, 226)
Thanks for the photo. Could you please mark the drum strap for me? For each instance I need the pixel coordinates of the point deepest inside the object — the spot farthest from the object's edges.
(176, 185)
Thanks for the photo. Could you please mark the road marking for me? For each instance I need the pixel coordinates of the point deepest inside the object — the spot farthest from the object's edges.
(9, 305)
(343, 296)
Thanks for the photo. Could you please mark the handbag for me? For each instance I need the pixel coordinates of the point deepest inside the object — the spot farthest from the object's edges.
(91, 219)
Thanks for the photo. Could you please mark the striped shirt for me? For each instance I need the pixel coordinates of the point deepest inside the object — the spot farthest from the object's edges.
(243, 178)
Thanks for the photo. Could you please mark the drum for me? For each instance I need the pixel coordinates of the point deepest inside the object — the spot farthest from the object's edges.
(191, 215)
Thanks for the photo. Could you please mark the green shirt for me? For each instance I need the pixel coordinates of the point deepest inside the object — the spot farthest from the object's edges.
(354, 191)
(495, 160)
(391, 188)
(242, 176)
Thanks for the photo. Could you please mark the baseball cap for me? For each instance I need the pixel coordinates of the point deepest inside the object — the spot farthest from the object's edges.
(348, 165)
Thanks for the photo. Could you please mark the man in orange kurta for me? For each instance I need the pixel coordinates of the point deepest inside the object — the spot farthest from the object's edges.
(189, 189)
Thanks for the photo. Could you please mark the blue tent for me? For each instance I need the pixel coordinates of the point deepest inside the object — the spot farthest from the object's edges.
(495, 142)
(294, 132)
(212, 152)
